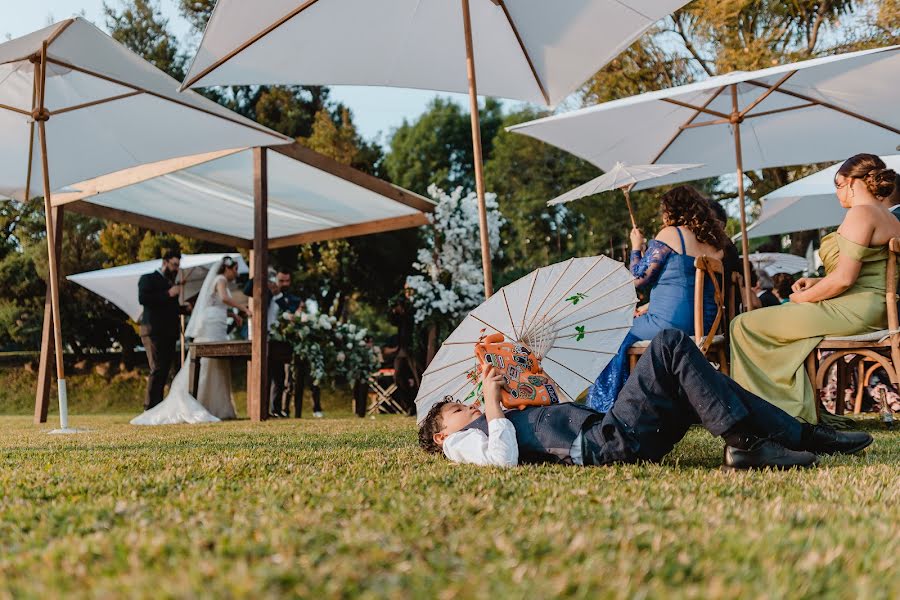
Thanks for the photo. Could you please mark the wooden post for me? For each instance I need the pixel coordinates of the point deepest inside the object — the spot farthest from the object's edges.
(739, 160)
(41, 115)
(42, 394)
(476, 153)
(258, 391)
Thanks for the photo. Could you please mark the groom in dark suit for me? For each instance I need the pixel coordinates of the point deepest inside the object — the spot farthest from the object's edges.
(160, 323)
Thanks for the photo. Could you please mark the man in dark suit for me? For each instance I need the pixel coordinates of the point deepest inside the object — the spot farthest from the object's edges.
(160, 323)
(278, 299)
(762, 286)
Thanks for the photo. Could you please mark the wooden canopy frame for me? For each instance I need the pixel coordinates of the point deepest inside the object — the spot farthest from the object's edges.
(55, 204)
(259, 245)
(737, 116)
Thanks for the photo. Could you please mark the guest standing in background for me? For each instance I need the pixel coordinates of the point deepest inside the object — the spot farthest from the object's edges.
(892, 202)
(160, 323)
(762, 287)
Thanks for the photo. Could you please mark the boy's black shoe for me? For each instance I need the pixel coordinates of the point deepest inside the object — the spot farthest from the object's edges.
(822, 439)
(767, 454)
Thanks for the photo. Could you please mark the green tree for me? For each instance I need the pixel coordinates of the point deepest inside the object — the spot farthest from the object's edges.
(140, 26)
(437, 146)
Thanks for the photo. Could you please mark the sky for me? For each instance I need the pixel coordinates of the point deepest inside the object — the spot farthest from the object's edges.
(376, 111)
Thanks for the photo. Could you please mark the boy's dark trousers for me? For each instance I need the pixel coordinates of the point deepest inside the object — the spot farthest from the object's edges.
(672, 387)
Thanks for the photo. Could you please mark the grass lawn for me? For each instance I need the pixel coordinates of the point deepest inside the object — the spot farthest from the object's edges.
(344, 507)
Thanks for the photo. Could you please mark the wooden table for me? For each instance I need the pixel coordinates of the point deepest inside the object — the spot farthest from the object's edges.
(232, 349)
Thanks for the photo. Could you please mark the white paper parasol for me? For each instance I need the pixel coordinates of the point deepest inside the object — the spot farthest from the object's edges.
(573, 315)
(621, 177)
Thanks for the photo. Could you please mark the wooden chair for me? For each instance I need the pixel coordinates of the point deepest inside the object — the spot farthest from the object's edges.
(880, 348)
(711, 343)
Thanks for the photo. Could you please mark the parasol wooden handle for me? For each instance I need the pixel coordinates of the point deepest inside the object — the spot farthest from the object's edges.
(627, 191)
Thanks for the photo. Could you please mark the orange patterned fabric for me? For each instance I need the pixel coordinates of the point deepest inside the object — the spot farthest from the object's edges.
(526, 382)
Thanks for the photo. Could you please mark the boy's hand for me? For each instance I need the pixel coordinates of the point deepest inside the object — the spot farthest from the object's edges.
(492, 384)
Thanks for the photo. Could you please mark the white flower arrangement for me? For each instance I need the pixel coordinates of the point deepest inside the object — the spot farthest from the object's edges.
(312, 338)
(450, 282)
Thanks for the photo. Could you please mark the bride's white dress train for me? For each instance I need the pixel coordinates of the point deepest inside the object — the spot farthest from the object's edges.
(215, 402)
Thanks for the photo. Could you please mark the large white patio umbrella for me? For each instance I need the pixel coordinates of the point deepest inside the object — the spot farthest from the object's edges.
(96, 108)
(808, 203)
(533, 50)
(813, 111)
(620, 177)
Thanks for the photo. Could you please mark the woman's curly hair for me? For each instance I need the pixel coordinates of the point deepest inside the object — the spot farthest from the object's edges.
(684, 206)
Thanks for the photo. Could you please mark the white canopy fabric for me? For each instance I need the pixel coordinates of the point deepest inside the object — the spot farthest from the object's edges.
(108, 110)
(619, 177)
(317, 199)
(778, 262)
(119, 284)
(808, 203)
(531, 50)
(805, 120)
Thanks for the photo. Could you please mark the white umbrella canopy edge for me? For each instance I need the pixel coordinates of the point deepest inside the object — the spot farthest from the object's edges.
(524, 49)
(798, 113)
(118, 284)
(551, 47)
(98, 90)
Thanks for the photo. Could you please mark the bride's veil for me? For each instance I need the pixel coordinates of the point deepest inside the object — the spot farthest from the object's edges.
(203, 298)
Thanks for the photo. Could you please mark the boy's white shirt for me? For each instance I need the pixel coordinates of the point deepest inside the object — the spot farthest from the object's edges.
(498, 448)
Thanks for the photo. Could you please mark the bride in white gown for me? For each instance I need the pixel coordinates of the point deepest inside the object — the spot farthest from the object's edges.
(209, 322)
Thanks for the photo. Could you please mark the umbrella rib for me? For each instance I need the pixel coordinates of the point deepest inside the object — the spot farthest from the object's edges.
(599, 314)
(154, 94)
(448, 365)
(600, 297)
(571, 371)
(766, 94)
(247, 44)
(604, 329)
(572, 287)
(59, 31)
(491, 326)
(528, 302)
(688, 122)
(830, 106)
(775, 111)
(95, 103)
(701, 109)
(582, 350)
(433, 390)
(549, 291)
(15, 110)
(509, 312)
(515, 31)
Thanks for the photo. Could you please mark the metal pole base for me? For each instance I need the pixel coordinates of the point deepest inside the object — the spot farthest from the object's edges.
(66, 431)
(64, 410)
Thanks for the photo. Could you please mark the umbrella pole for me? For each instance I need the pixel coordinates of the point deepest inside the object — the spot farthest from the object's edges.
(739, 161)
(41, 117)
(476, 153)
(627, 191)
(181, 317)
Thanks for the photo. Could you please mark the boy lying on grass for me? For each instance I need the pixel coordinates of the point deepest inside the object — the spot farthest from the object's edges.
(672, 387)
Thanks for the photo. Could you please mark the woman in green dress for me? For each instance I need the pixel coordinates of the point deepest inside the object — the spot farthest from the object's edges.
(769, 346)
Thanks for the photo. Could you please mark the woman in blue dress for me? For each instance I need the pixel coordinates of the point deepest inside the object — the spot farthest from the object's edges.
(666, 269)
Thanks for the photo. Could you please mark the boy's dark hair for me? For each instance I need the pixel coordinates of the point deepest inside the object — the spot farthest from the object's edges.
(432, 424)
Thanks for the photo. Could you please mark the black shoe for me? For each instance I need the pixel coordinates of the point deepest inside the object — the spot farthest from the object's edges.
(822, 439)
(767, 454)
(274, 415)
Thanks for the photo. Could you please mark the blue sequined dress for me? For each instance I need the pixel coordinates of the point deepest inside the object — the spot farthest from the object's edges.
(670, 277)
